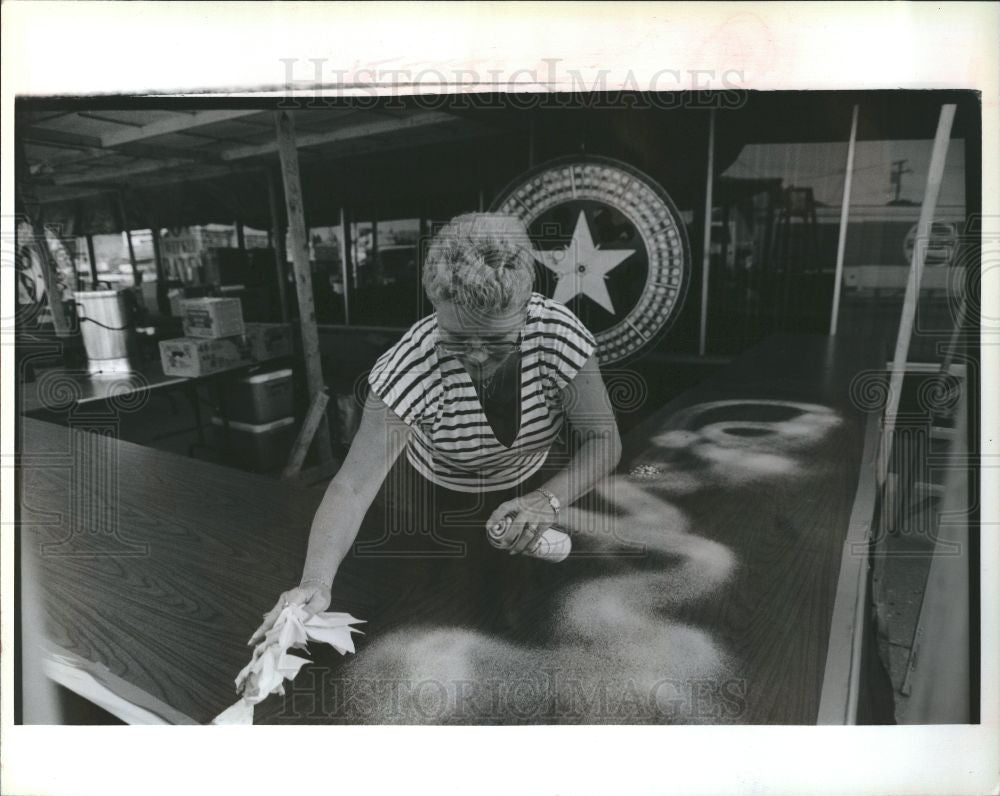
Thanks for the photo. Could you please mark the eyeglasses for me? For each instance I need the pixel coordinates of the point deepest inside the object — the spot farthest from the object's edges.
(494, 349)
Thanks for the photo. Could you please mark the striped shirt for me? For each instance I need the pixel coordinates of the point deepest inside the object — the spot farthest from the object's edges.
(451, 442)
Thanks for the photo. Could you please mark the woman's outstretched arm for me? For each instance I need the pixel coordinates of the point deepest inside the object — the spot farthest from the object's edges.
(380, 439)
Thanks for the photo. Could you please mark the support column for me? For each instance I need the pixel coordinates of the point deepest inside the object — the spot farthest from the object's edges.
(345, 262)
(303, 275)
(162, 301)
(278, 242)
(93, 261)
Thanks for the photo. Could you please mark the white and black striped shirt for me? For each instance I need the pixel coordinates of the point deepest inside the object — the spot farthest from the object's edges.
(451, 442)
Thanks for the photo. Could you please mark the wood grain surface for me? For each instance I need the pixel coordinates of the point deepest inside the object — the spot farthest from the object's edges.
(700, 589)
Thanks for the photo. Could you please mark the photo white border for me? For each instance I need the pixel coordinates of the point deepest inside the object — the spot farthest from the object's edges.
(230, 49)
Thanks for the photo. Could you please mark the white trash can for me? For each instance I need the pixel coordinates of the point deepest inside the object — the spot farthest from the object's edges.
(103, 326)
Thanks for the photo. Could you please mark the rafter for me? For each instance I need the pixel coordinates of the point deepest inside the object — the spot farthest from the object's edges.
(343, 134)
(177, 124)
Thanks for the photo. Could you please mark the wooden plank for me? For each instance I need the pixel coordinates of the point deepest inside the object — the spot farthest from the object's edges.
(935, 174)
(845, 206)
(842, 673)
(303, 273)
(317, 411)
(278, 238)
(114, 694)
(345, 133)
(178, 124)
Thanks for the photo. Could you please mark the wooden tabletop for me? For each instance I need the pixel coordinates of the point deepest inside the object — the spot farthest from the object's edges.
(704, 597)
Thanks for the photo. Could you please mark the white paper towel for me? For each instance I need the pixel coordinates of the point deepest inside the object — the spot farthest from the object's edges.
(272, 664)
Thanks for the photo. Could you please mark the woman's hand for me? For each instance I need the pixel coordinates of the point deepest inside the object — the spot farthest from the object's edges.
(314, 597)
(532, 516)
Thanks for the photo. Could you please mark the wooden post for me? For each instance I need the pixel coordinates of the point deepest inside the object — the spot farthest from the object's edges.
(303, 276)
(706, 251)
(162, 301)
(315, 416)
(278, 237)
(93, 261)
(345, 263)
(241, 243)
(935, 174)
(845, 204)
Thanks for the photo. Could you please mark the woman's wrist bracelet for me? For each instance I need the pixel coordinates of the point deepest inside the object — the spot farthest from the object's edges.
(553, 501)
(317, 581)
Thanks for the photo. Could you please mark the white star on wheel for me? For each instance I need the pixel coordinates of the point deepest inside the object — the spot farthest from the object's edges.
(582, 267)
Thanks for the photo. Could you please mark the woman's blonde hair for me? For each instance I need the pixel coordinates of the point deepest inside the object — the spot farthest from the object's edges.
(481, 261)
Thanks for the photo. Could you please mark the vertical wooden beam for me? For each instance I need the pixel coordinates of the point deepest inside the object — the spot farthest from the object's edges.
(93, 261)
(162, 301)
(935, 173)
(345, 262)
(278, 239)
(285, 129)
(706, 250)
(845, 205)
(241, 242)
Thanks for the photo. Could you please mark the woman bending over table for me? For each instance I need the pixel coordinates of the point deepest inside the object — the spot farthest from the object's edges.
(476, 393)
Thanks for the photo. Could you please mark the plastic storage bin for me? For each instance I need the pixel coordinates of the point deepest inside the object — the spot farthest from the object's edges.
(260, 398)
(261, 447)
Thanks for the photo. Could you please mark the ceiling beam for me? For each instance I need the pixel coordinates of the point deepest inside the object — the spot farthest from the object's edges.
(44, 135)
(343, 134)
(176, 124)
(112, 174)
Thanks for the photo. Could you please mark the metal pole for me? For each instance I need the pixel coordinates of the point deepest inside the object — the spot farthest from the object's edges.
(935, 174)
(707, 237)
(285, 128)
(845, 206)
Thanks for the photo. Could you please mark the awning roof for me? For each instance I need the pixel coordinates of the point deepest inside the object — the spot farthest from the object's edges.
(80, 153)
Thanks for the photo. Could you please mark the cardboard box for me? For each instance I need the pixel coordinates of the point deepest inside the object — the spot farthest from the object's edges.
(213, 318)
(192, 356)
(269, 340)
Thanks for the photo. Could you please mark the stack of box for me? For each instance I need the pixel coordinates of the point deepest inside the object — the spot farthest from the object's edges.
(216, 339)
(258, 429)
